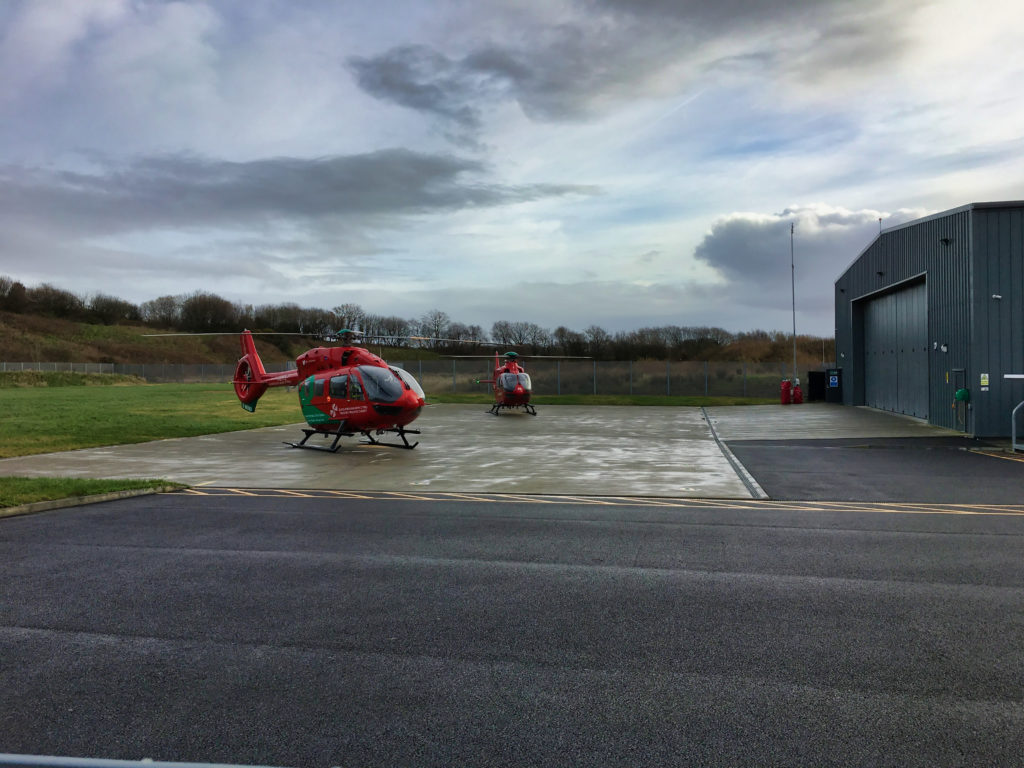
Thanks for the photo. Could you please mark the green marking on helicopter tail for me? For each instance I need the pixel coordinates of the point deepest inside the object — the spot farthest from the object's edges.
(250, 407)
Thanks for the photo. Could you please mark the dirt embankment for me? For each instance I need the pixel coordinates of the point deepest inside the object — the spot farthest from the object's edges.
(35, 339)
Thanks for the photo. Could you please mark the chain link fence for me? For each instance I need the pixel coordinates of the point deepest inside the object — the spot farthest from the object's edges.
(549, 377)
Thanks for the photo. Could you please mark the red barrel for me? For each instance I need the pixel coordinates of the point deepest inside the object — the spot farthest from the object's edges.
(786, 391)
(797, 394)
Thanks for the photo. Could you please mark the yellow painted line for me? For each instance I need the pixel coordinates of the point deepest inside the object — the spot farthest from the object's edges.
(580, 500)
(346, 495)
(639, 501)
(469, 497)
(998, 508)
(995, 455)
(909, 508)
(500, 497)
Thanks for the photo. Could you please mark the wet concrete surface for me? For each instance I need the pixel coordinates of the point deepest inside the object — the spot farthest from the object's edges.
(811, 451)
(608, 450)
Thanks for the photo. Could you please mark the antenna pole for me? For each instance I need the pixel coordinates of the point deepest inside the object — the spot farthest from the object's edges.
(792, 274)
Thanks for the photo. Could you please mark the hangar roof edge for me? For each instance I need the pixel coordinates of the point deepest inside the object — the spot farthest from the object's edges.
(930, 217)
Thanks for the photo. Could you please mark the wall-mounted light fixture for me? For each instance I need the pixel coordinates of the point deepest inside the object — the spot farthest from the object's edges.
(997, 296)
(945, 240)
(944, 347)
(879, 273)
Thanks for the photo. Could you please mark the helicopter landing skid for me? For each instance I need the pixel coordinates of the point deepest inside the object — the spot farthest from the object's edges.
(333, 448)
(496, 408)
(400, 432)
(310, 432)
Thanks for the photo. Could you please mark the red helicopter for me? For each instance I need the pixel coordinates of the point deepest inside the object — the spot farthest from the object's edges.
(343, 391)
(511, 385)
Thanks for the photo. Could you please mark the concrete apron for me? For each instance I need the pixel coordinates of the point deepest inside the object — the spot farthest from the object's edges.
(575, 450)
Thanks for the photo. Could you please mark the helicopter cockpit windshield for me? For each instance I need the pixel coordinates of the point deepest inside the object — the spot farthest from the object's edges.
(410, 381)
(508, 381)
(382, 385)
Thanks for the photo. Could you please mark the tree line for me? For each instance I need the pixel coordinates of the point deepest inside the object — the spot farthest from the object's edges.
(202, 312)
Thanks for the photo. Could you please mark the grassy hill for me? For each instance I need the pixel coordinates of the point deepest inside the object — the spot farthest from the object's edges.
(34, 339)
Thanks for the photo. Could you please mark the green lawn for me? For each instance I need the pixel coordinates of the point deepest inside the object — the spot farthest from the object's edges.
(46, 419)
(15, 491)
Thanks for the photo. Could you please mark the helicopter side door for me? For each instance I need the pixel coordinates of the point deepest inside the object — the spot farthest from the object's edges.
(346, 398)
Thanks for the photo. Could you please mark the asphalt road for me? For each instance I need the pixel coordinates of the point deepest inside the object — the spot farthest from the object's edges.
(945, 470)
(332, 631)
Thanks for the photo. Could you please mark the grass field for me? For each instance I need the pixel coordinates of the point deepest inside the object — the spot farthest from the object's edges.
(50, 412)
(45, 419)
(15, 491)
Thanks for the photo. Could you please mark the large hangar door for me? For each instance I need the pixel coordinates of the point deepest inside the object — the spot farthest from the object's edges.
(896, 352)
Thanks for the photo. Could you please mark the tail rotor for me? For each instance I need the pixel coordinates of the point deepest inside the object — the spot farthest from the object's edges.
(249, 380)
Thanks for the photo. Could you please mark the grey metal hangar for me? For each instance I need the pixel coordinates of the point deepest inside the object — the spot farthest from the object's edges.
(930, 320)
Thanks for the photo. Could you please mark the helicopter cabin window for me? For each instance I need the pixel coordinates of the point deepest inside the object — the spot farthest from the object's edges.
(382, 385)
(355, 389)
(339, 386)
(508, 381)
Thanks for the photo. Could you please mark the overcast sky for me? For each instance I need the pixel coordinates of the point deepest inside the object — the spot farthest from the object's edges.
(621, 163)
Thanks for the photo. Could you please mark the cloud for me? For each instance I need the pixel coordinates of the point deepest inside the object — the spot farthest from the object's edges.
(189, 192)
(758, 262)
(604, 53)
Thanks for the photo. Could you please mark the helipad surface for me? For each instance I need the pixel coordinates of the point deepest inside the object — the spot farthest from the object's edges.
(576, 450)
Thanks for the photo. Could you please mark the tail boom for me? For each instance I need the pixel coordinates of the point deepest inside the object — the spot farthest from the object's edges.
(251, 379)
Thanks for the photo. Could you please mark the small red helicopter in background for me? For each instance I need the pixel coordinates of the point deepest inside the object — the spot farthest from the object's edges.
(343, 391)
(511, 385)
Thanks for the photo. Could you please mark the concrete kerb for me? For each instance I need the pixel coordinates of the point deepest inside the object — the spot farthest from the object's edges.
(77, 501)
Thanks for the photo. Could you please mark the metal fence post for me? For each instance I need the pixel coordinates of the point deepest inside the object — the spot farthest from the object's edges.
(558, 377)
(453, 377)
(631, 377)
(595, 377)
(668, 378)
(705, 378)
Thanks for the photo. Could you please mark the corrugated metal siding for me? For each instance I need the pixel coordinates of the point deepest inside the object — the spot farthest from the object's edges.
(998, 337)
(895, 351)
(938, 250)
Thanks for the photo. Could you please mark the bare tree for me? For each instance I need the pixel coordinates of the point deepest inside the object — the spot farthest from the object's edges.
(50, 300)
(435, 324)
(110, 310)
(207, 312)
(569, 342)
(350, 316)
(13, 296)
(597, 340)
(164, 312)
